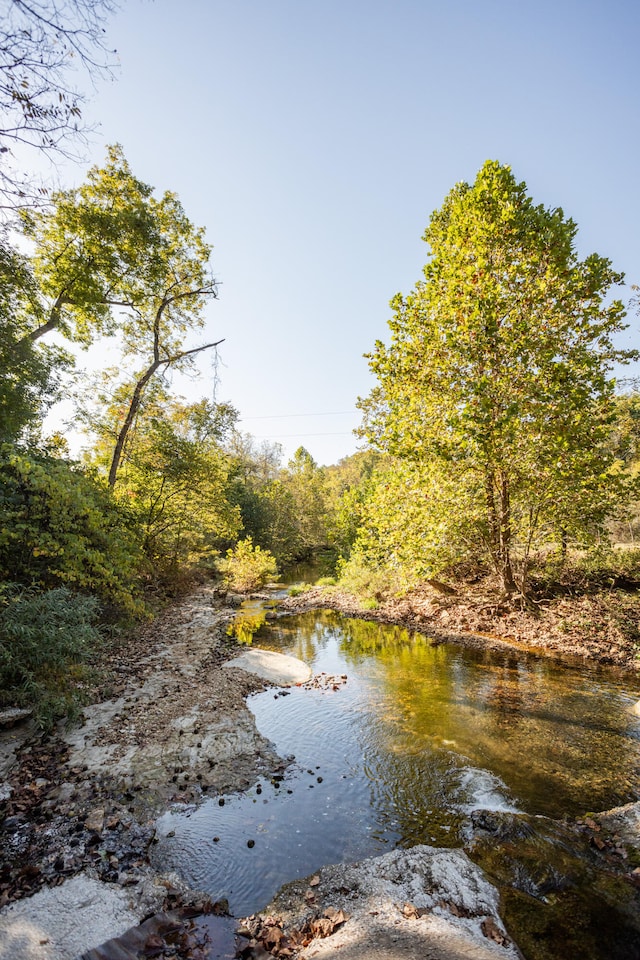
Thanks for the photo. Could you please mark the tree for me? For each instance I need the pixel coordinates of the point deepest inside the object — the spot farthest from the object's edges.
(110, 256)
(306, 483)
(499, 373)
(174, 478)
(29, 374)
(348, 491)
(61, 526)
(42, 44)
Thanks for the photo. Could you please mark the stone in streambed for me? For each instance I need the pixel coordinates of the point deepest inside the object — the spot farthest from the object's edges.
(276, 667)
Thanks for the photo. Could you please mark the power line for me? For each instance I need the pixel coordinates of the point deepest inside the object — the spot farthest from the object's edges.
(285, 416)
(281, 436)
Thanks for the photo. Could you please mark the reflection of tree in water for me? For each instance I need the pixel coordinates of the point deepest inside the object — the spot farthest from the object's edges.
(302, 636)
(245, 626)
(369, 637)
(557, 737)
(507, 695)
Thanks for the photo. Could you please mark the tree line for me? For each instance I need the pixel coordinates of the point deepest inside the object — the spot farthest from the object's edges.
(496, 434)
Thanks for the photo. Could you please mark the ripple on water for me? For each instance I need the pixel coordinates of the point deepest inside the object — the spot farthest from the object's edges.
(418, 738)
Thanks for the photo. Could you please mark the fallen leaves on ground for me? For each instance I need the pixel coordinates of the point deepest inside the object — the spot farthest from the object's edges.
(267, 936)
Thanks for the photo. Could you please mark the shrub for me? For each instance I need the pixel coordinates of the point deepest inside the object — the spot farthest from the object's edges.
(366, 581)
(62, 527)
(297, 589)
(47, 641)
(247, 567)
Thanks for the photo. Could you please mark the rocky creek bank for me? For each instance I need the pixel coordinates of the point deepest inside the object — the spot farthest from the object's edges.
(79, 812)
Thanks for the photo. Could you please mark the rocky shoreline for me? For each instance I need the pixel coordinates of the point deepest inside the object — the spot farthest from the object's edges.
(173, 727)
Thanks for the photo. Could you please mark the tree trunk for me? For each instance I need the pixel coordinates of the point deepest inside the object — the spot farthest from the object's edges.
(134, 406)
(136, 399)
(506, 569)
(498, 503)
(52, 322)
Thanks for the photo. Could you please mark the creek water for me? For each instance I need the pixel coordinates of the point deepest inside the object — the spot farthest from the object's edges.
(419, 736)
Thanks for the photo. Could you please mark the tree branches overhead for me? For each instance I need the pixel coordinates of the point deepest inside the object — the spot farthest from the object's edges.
(46, 46)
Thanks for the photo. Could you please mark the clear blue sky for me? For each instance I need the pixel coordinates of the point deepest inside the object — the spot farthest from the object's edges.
(313, 140)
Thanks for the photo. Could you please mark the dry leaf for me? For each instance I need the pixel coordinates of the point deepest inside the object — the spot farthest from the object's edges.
(323, 927)
(336, 916)
(410, 912)
(492, 931)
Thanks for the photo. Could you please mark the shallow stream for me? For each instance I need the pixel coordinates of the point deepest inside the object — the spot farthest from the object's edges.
(419, 736)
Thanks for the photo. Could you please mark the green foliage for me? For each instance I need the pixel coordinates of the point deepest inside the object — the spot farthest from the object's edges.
(248, 567)
(28, 374)
(326, 582)
(372, 582)
(47, 642)
(625, 431)
(498, 379)
(284, 510)
(109, 256)
(174, 479)
(297, 589)
(370, 604)
(599, 567)
(61, 526)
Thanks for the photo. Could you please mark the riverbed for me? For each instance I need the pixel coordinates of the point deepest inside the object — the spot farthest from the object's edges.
(419, 737)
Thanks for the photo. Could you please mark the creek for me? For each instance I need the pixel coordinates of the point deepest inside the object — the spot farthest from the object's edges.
(418, 738)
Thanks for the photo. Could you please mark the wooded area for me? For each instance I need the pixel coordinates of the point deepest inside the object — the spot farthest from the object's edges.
(497, 440)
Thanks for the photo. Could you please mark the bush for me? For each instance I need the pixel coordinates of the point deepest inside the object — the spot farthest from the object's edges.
(367, 582)
(62, 527)
(247, 567)
(297, 589)
(47, 641)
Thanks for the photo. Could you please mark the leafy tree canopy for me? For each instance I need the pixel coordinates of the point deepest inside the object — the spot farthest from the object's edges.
(28, 373)
(500, 371)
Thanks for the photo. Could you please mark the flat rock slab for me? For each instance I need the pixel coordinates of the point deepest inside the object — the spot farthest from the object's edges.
(59, 923)
(426, 903)
(276, 667)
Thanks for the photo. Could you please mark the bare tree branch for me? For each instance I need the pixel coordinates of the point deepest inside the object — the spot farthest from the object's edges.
(42, 44)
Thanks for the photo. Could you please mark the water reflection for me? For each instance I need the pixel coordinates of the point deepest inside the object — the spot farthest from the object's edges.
(250, 617)
(563, 740)
(419, 736)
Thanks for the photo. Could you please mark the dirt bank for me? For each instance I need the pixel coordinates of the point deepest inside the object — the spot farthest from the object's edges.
(602, 626)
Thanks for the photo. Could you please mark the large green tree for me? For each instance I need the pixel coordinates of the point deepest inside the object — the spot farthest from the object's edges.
(174, 477)
(499, 377)
(112, 257)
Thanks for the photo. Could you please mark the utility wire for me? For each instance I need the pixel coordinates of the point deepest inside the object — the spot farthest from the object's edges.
(285, 416)
(281, 436)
